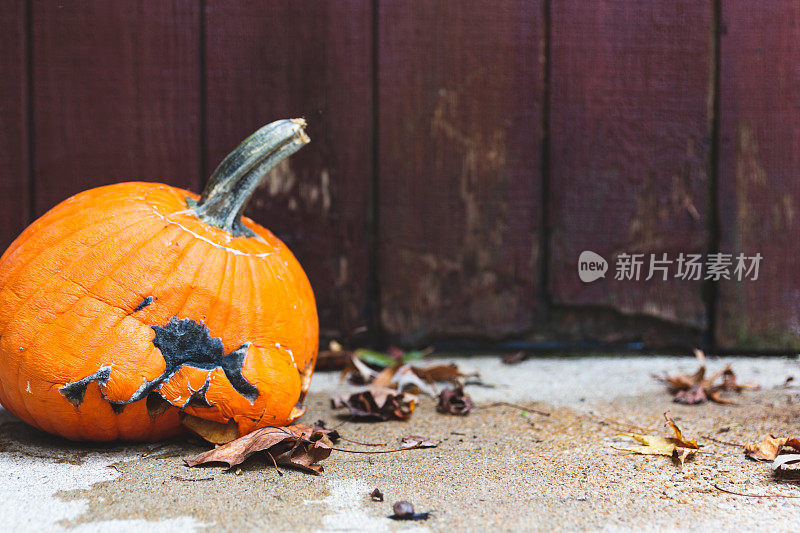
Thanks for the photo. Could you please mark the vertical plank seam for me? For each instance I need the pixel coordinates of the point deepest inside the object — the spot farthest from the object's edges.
(373, 304)
(202, 95)
(30, 186)
(543, 294)
(712, 287)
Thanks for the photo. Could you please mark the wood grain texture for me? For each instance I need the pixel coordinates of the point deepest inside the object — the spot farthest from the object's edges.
(116, 87)
(460, 93)
(14, 190)
(281, 59)
(759, 167)
(631, 120)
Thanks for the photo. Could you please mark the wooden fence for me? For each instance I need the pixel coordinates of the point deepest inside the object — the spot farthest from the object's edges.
(464, 152)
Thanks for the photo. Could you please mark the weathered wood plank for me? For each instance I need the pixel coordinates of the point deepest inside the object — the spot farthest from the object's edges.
(14, 199)
(631, 121)
(759, 166)
(460, 93)
(279, 59)
(115, 95)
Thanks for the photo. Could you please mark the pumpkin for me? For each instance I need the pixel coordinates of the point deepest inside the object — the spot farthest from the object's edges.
(126, 309)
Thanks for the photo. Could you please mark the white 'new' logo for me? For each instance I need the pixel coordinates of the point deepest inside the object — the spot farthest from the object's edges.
(591, 266)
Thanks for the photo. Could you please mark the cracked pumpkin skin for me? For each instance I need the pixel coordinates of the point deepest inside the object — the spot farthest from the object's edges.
(85, 290)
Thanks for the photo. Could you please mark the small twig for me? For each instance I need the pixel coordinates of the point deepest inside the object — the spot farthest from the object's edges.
(607, 420)
(275, 463)
(380, 451)
(709, 437)
(520, 407)
(363, 443)
(181, 478)
(754, 495)
(155, 449)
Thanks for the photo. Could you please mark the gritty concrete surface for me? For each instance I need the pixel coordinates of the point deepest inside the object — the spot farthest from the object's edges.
(499, 468)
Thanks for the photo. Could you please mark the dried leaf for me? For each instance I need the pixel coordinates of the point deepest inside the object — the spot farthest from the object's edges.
(514, 358)
(376, 495)
(357, 372)
(294, 446)
(729, 382)
(377, 404)
(448, 372)
(454, 401)
(156, 404)
(407, 377)
(695, 388)
(677, 447)
(211, 431)
(785, 459)
(769, 447)
(403, 510)
(696, 394)
(415, 441)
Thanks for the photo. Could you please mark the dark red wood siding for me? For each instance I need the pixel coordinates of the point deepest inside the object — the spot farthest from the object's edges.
(759, 166)
(630, 125)
(115, 95)
(14, 189)
(463, 153)
(281, 59)
(460, 94)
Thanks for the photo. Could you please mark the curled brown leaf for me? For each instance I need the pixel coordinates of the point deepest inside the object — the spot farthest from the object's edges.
(769, 447)
(377, 404)
(299, 446)
(454, 401)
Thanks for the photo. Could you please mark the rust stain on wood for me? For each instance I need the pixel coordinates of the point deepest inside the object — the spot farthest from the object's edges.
(759, 164)
(460, 113)
(630, 140)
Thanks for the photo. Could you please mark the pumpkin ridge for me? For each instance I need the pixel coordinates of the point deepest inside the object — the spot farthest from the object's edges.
(177, 261)
(198, 270)
(42, 288)
(34, 230)
(16, 272)
(231, 279)
(21, 362)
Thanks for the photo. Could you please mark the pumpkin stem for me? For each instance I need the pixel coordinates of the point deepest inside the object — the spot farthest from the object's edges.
(235, 179)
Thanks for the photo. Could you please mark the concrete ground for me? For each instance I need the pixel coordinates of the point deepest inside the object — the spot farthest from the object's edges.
(498, 468)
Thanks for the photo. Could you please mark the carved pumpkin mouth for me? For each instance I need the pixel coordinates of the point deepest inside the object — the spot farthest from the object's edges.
(182, 342)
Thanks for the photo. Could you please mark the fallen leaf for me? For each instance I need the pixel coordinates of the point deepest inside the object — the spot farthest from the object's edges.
(696, 394)
(156, 404)
(454, 401)
(407, 377)
(785, 459)
(299, 446)
(446, 372)
(769, 447)
(391, 357)
(696, 388)
(376, 495)
(514, 358)
(357, 372)
(403, 510)
(677, 447)
(377, 404)
(416, 441)
(211, 431)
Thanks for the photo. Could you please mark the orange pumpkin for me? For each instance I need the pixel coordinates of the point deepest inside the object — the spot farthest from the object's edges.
(126, 307)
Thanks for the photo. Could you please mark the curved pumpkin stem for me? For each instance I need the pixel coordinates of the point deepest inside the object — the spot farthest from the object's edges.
(235, 179)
